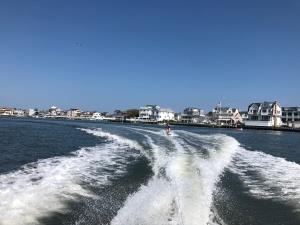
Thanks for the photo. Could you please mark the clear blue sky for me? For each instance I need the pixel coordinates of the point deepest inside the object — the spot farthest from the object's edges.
(103, 55)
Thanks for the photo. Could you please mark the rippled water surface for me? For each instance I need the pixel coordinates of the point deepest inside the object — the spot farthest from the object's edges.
(68, 172)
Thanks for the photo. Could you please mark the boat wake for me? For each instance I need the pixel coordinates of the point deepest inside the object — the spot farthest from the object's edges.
(186, 169)
(268, 177)
(42, 187)
(181, 190)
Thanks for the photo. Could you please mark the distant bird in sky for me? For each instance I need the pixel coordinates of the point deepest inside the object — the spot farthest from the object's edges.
(78, 44)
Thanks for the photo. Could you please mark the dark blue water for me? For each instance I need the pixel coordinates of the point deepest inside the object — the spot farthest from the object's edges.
(75, 172)
(25, 141)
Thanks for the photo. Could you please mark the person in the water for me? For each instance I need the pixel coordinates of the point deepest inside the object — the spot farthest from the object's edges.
(168, 129)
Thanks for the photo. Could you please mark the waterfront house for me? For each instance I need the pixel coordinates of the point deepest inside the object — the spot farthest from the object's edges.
(19, 113)
(33, 112)
(54, 111)
(192, 115)
(119, 115)
(165, 114)
(73, 113)
(264, 114)
(148, 112)
(291, 116)
(86, 115)
(154, 113)
(7, 111)
(97, 116)
(226, 116)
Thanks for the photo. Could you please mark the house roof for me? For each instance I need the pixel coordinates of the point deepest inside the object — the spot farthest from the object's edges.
(290, 108)
(262, 105)
(192, 108)
(267, 105)
(253, 104)
(153, 106)
(222, 109)
(166, 110)
(73, 109)
(149, 107)
(7, 108)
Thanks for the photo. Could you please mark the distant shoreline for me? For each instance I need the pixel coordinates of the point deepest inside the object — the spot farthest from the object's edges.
(287, 129)
(220, 126)
(238, 127)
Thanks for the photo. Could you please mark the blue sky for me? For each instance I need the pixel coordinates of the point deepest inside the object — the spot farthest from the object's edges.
(103, 55)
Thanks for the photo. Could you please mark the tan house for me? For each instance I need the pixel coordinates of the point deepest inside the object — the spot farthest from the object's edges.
(226, 116)
(6, 111)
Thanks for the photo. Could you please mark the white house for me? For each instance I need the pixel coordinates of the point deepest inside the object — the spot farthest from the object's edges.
(54, 111)
(32, 112)
(97, 116)
(264, 114)
(72, 113)
(155, 114)
(19, 113)
(165, 115)
(148, 112)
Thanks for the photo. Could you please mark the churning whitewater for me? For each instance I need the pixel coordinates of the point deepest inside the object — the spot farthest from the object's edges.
(40, 188)
(185, 171)
(269, 177)
(181, 190)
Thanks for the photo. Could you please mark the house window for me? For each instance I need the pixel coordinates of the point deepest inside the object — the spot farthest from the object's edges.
(265, 118)
(254, 117)
(264, 110)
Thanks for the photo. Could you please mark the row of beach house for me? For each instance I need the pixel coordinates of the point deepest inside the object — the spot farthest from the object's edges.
(260, 114)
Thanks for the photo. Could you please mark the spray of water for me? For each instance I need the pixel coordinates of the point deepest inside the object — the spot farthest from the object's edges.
(45, 186)
(183, 193)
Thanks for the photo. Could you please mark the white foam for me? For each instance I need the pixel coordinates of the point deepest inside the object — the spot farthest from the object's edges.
(113, 137)
(160, 158)
(150, 205)
(184, 194)
(160, 132)
(195, 177)
(46, 185)
(268, 176)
